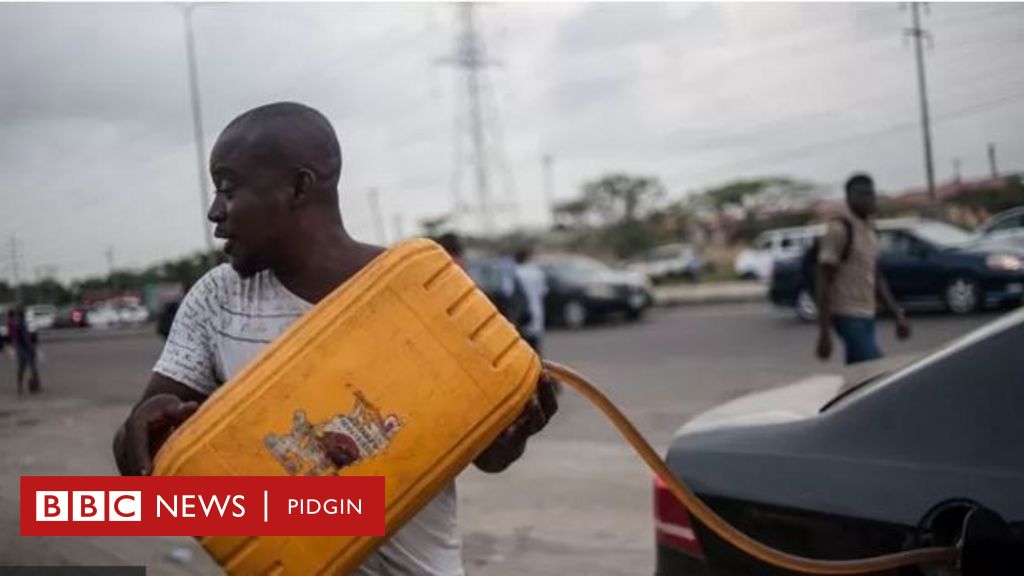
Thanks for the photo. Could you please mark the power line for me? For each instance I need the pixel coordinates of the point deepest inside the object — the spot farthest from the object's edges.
(805, 150)
(726, 139)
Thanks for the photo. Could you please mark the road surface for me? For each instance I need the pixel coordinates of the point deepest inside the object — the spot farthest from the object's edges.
(579, 502)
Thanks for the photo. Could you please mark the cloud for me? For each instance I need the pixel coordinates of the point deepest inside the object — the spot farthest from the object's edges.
(97, 151)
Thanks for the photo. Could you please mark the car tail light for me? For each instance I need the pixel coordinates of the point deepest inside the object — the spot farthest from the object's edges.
(672, 523)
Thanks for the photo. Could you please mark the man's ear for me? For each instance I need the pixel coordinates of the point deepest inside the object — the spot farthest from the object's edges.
(303, 186)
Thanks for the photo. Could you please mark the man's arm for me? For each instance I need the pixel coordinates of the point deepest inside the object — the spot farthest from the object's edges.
(826, 279)
(889, 305)
(510, 444)
(182, 378)
(165, 405)
(834, 244)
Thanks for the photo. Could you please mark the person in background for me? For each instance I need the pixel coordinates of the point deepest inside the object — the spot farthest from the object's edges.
(849, 283)
(166, 318)
(24, 344)
(452, 244)
(506, 292)
(535, 288)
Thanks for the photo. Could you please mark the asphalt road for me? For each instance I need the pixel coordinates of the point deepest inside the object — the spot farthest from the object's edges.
(579, 502)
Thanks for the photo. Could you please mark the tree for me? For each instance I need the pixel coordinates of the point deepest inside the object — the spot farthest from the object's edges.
(621, 198)
(6, 292)
(572, 214)
(767, 194)
(622, 202)
(675, 222)
(995, 198)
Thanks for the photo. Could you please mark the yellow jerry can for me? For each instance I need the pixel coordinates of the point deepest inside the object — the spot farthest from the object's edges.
(407, 371)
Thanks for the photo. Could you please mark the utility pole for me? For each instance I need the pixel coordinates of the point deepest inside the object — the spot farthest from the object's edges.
(197, 126)
(15, 270)
(549, 183)
(398, 226)
(376, 214)
(919, 34)
(956, 170)
(46, 272)
(109, 253)
(992, 166)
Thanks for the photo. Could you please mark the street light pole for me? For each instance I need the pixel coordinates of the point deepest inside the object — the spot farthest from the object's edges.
(377, 215)
(197, 125)
(548, 161)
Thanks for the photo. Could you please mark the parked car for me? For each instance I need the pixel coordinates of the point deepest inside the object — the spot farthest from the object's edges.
(109, 314)
(132, 314)
(928, 264)
(756, 262)
(40, 316)
(103, 316)
(3, 321)
(1006, 227)
(890, 462)
(668, 262)
(582, 289)
(70, 317)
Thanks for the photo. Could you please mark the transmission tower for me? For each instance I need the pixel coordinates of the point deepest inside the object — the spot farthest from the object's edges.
(472, 121)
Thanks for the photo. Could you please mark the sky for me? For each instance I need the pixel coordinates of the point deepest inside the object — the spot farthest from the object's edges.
(97, 156)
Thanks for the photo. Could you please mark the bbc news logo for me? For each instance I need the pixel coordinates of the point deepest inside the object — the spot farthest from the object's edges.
(206, 505)
(89, 506)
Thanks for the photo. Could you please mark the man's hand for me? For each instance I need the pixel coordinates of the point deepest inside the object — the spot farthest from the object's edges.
(902, 327)
(510, 444)
(824, 348)
(146, 429)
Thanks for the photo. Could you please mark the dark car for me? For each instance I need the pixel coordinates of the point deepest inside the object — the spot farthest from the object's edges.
(892, 462)
(582, 289)
(928, 264)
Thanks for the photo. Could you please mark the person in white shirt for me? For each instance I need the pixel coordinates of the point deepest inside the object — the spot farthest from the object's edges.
(535, 287)
(276, 170)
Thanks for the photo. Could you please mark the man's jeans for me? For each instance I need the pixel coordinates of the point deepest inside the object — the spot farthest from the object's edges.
(858, 335)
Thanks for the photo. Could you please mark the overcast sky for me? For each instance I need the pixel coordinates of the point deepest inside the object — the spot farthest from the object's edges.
(96, 145)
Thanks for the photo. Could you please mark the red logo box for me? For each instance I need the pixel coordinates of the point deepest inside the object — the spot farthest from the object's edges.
(202, 505)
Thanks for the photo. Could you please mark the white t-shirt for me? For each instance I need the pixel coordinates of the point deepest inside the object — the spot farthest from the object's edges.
(535, 285)
(222, 324)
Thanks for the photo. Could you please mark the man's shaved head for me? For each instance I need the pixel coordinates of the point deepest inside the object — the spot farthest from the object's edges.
(287, 136)
(276, 171)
